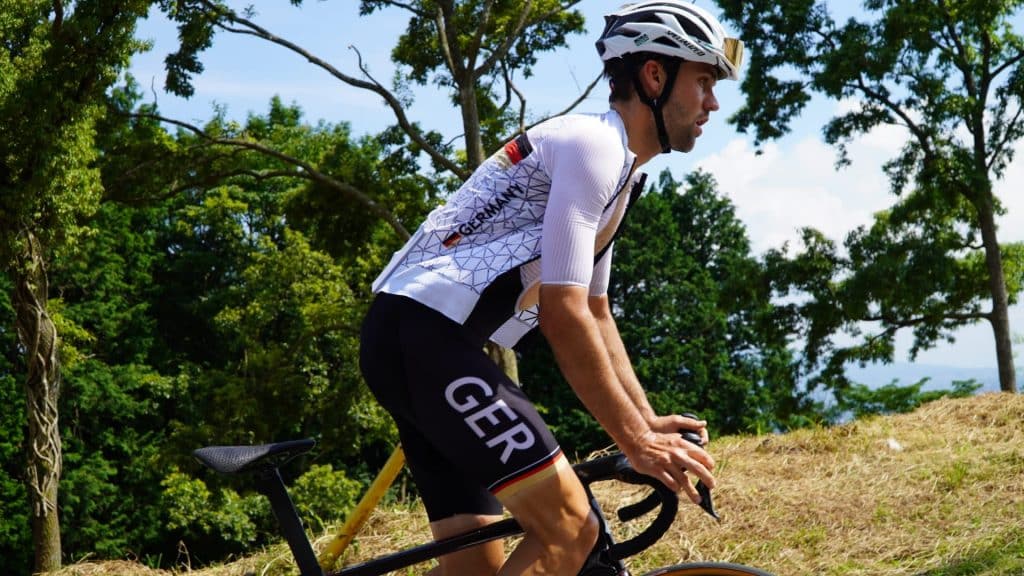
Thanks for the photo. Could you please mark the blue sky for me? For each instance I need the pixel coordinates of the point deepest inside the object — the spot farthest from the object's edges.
(792, 184)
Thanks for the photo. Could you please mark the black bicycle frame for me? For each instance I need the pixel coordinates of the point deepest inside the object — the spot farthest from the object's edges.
(265, 461)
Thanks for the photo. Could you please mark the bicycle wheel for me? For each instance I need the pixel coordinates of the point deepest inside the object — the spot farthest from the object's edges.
(708, 569)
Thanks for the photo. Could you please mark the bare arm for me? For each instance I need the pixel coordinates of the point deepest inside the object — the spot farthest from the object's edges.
(575, 335)
(600, 308)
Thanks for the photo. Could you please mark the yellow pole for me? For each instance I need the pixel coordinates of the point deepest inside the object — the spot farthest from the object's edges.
(358, 517)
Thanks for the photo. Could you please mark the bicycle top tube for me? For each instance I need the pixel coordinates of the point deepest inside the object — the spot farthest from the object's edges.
(613, 467)
(264, 460)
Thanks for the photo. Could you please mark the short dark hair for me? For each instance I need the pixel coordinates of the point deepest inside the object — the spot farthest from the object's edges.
(621, 72)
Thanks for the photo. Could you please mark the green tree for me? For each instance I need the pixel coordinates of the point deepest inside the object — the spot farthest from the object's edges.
(198, 311)
(263, 274)
(951, 73)
(56, 62)
(476, 48)
(15, 538)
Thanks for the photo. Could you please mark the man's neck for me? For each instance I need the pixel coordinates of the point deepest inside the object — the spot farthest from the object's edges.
(641, 132)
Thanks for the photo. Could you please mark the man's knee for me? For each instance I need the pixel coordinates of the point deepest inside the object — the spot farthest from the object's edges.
(568, 542)
(585, 538)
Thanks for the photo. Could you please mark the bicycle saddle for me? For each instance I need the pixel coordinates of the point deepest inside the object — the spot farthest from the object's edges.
(235, 459)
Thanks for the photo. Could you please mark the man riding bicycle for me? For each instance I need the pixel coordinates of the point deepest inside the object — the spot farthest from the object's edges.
(527, 241)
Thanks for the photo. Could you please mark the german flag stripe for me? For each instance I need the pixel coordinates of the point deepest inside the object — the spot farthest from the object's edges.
(544, 469)
(451, 240)
(518, 149)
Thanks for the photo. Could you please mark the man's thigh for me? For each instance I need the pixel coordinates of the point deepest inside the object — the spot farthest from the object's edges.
(464, 424)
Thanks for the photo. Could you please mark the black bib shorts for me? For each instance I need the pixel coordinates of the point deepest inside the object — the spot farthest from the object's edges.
(469, 433)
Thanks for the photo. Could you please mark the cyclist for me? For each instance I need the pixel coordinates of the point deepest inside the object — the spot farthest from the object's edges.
(527, 241)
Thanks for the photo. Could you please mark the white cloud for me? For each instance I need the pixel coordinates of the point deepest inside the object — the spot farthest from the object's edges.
(796, 185)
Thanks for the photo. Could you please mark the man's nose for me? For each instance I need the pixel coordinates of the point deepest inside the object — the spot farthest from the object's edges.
(710, 102)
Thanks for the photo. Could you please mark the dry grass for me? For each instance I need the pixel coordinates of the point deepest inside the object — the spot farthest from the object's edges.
(939, 492)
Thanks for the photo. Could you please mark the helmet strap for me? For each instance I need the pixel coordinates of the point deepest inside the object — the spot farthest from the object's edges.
(656, 104)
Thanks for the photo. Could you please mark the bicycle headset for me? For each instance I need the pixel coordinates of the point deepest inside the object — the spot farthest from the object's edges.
(679, 30)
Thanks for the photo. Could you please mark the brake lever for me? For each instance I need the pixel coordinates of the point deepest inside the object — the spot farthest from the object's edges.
(705, 493)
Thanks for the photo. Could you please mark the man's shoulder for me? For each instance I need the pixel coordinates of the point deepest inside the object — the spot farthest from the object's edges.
(596, 132)
(587, 123)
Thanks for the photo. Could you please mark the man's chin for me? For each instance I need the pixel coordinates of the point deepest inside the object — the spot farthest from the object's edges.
(686, 146)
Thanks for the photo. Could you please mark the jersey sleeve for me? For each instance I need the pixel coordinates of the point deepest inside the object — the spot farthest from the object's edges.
(585, 163)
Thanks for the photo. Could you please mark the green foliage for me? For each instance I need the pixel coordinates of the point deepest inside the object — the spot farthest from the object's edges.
(15, 541)
(478, 30)
(902, 272)
(858, 400)
(196, 311)
(324, 496)
(55, 66)
(905, 55)
(195, 33)
(57, 60)
(268, 322)
(476, 53)
(203, 517)
(696, 311)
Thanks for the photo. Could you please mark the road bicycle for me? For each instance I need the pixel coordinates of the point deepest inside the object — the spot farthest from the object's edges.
(264, 461)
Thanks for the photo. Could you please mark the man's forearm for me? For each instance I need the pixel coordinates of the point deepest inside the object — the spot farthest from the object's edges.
(579, 347)
(620, 357)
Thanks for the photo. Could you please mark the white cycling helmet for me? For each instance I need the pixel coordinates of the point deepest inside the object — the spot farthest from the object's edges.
(673, 28)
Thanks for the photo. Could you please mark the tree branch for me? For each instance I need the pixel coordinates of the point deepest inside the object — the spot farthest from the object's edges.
(896, 323)
(58, 17)
(506, 44)
(970, 82)
(876, 95)
(511, 87)
(408, 7)
(449, 41)
(1008, 64)
(252, 29)
(474, 47)
(503, 49)
(305, 169)
(1011, 128)
(574, 103)
(258, 175)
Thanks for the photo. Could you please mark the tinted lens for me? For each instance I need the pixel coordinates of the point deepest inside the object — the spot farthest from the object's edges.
(733, 50)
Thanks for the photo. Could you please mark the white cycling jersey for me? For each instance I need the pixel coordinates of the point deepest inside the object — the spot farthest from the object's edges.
(543, 209)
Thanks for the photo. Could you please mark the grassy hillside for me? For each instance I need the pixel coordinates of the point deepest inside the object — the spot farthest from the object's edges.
(939, 492)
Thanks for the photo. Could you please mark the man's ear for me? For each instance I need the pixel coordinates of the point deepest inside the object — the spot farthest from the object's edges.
(652, 76)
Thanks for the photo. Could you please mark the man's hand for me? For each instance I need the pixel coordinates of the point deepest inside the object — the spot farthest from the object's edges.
(667, 457)
(677, 423)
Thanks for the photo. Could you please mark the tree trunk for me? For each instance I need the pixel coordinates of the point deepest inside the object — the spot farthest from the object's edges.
(999, 317)
(38, 336)
(505, 359)
(471, 123)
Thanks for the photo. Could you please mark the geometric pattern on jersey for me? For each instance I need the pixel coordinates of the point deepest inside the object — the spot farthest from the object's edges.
(488, 227)
(488, 236)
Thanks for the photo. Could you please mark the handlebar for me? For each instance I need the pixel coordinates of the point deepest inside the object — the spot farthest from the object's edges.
(617, 467)
(638, 509)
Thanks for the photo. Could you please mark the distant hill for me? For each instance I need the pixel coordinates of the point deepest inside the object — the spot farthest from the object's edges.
(875, 375)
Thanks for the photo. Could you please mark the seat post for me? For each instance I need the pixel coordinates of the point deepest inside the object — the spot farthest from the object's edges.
(270, 484)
